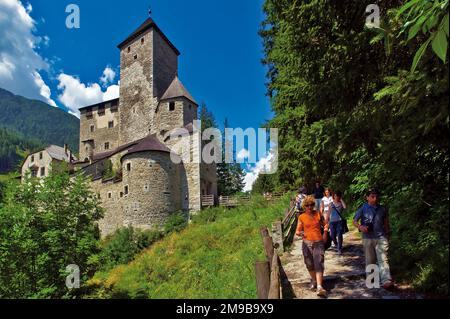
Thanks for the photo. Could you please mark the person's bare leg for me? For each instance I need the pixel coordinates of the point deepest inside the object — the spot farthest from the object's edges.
(319, 278)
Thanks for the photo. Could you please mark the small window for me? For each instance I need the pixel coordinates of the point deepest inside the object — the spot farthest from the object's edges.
(128, 167)
(32, 158)
(190, 107)
(129, 49)
(142, 41)
(121, 194)
(125, 190)
(34, 173)
(42, 171)
(172, 106)
(109, 195)
(135, 57)
(107, 146)
(41, 155)
(92, 128)
(101, 110)
(110, 124)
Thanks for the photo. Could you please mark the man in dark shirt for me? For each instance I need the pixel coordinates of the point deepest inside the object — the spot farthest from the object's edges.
(318, 192)
(372, 220)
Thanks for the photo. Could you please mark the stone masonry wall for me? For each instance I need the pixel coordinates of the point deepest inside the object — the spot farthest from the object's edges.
(165, 65)
(136, 89)
(153, 189)
(102, 132)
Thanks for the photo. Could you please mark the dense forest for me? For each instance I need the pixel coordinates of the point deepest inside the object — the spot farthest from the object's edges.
(26, 125)
(360, 107)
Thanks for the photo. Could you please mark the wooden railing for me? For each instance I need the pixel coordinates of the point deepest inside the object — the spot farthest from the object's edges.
(268, 272)
(207, 200)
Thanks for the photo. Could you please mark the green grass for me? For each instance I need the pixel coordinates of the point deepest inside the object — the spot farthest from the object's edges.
(213, 258)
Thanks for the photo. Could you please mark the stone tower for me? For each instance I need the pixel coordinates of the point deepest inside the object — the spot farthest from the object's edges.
(148, 64)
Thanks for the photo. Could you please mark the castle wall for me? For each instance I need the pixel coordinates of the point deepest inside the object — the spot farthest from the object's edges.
(137, 103)
(154, 190)
(112, 203)
(101, 133)
(165, 65)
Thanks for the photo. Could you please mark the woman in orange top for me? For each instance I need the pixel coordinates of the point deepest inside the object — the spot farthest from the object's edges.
(313, 248)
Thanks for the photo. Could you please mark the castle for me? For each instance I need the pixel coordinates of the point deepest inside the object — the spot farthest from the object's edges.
(126, 145)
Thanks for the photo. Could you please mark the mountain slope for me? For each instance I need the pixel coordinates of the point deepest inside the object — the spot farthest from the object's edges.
(26, 125)
(38, 120)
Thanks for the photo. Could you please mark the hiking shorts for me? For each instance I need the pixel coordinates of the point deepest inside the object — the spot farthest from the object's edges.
(314, 255)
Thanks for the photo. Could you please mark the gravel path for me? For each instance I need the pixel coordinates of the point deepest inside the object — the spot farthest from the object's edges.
(344, 275)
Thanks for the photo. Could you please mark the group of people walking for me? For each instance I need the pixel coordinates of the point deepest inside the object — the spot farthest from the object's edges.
(321, 219)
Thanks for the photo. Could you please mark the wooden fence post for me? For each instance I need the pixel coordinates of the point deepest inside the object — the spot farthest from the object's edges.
(277, 236)
(274, 290)
(262, 271)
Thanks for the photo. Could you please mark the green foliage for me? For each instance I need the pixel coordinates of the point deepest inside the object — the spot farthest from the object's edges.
(176, 223)
(230, 176)
(212, 258)
(123, 246)
(351, 114)
(13, 149)
(45, 226)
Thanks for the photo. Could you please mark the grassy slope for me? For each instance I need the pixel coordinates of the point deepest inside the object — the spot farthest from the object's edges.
(213, 258)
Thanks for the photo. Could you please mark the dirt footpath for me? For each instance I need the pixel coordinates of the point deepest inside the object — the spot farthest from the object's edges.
(344, 275)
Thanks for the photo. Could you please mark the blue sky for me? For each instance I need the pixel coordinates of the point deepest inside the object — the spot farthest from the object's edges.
(220, 48)
(220, 62)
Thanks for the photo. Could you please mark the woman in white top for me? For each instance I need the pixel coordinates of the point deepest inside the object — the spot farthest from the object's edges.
(326, 203)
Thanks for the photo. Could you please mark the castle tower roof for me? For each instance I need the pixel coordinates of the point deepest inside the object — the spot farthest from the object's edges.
(147, 25)
(149, 143)
(177, 89)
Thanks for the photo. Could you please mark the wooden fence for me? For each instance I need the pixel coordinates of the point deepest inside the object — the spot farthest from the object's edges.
(268, 272)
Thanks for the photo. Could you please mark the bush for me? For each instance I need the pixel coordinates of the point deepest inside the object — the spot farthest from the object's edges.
(176, 223)
(124, 245)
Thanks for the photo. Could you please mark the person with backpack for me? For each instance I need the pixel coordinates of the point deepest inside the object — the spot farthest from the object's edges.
(310, 226)
(336, 221)
(299, 199)
(372, 221)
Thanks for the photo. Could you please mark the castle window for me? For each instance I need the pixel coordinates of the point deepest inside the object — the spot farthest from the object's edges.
(40, 155)
(142, 41)
(125, 190)
(172, 106)
(109, 195)
(110, 124)
(89, 113)
(42, 171)
(121, 194)
(92, 128)
(107, 146)
(114, 106)
(135, 57)
(32, 158)
(128, 167)
(129, 49)
(101, 110)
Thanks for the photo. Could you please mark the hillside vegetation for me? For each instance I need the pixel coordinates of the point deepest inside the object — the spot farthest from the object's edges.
(359, 108)
(26, 125)
(212, 258)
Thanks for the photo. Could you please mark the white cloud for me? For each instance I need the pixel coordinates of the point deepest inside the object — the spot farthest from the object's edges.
(45, 90)
(265, 165)
(76, 94)
(20, 64)
(108, 76)
(243, 154)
